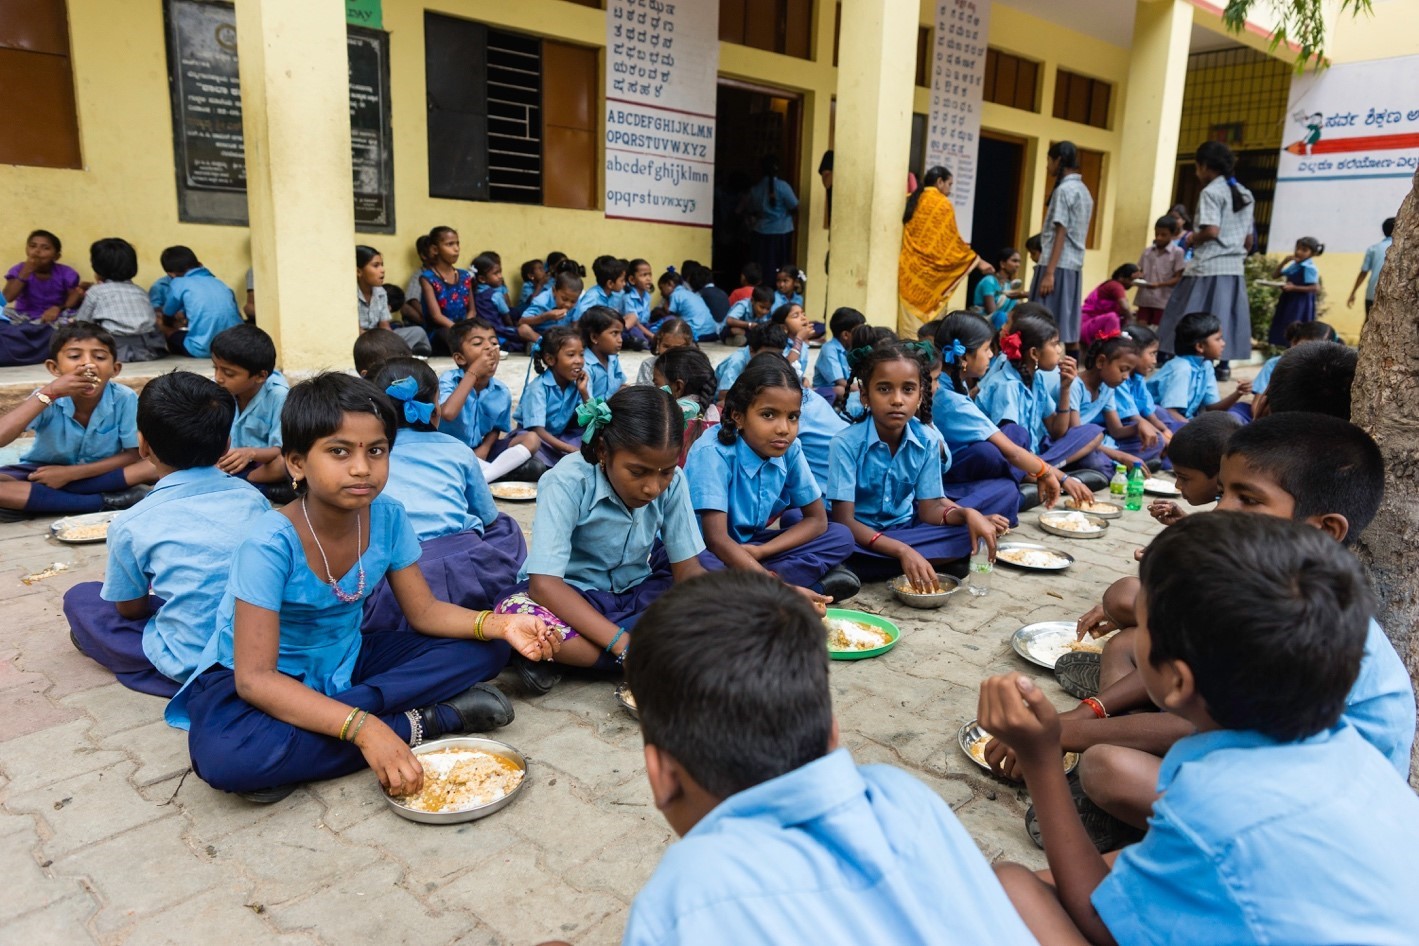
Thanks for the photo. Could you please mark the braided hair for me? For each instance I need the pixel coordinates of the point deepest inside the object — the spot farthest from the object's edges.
(1035, 331)
(765, 370)
(863, 362)
(691, 368)
(642, 417)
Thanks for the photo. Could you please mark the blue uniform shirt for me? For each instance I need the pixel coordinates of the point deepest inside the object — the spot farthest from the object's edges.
(1186, 384)
(1381, 703)
(773, 210)
(158, 291)
(546, 403)
(743, 310)
(1091, 409)
(179, 541)
(689, 306)
(884, 488)
(440, 484)
(583, 534)
(957, 417)
(832, 364)
(596, 295)
(1003, 396)
(499, 299)
(729, 370)
(483, 412)
(60, 439)
(781, 300)
(260, 424)
(637, 303)
(817, 426)
(752, 490)
(1133, 399)
(830, 853)
(1263, 377)
(209, 305)
(605, 380)
(320, 634)
(1259, 841)
(544, 302)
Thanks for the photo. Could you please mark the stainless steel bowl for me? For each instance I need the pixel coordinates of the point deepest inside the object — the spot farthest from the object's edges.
(490, 746)
(935, 599)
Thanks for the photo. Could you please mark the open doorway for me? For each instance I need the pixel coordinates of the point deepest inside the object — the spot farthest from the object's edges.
(1000, 182)
(752, 122)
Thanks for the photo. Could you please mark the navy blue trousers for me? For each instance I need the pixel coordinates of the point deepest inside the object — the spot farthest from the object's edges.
(113, 641)
(804, 565)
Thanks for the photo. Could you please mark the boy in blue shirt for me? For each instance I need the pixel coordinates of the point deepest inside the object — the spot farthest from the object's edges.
(784, 839)
(476, 408)
(206, 304)
(244, 365)
(1187, 384)
(1277, 822)
(86, 432)
(179, 541)
(831, 373)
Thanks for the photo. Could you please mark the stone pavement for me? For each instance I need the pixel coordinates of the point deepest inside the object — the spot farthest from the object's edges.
(106, 836)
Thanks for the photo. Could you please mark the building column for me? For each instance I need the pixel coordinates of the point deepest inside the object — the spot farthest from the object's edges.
(295, 91)
(1152, 112)
(872, 139)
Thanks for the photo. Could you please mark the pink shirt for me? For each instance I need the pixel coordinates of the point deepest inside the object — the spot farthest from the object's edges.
(1102, 310)
(1158, 266)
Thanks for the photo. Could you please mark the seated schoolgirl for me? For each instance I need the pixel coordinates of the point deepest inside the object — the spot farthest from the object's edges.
(289, 690)
(668, 282)
(884, 477)
(552, 308)
(446, 291)
(672, 333)
(687, 375)
(1105, 309)
(830, 373)
(490, 302)
(979, 449)
(1187, 383)
(1134, 402)
(760, 508)
(602, 334)
(995, 295)
(372, 306)
(746, 313)
(471, 552)
(800, 332)
(549, 403)
(476, 408)
(1019, 393)
(788, 286)
(40, 288)
(1108, 361)
(614, 528)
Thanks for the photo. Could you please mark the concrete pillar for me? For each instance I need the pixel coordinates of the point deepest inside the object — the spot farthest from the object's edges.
(1152, 112)
(295, 91)
(876, 79)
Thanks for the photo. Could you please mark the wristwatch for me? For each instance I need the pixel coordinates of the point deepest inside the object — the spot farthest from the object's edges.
(43, 398)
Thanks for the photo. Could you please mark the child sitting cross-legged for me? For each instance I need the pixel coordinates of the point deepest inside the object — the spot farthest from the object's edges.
(197, 307)
(751, 472)
(244, 363)
(1196, 453)
(1187, 385)
(831, 371)
(1134, 404)
(115, 304)
(168, 556)
(471, 552)
(289, 690)
(784, 839)
(1275, 820)
(476, 408)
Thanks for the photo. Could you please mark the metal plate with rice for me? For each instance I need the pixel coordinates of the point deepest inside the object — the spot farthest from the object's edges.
(1032, 557)
(514, 492)
(972, 740)
(492, 747)
(1044, 643)
(1099, 507)
(83, 530)
(1053, 523)
(1157, 486)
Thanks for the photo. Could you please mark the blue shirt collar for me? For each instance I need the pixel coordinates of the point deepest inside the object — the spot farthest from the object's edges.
(750, 462)
(802, 795)
(908, 434)
(1192, 748)
(196, 474)
(602, 489)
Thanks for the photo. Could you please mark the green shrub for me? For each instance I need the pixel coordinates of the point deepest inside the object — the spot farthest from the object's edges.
(1261, 298)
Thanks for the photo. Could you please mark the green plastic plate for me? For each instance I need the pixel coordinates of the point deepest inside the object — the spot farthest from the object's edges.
(863, 617)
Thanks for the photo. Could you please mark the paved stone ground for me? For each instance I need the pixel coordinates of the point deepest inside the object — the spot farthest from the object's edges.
(105, 835)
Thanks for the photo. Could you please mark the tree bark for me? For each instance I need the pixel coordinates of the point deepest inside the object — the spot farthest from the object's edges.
(1385, 402)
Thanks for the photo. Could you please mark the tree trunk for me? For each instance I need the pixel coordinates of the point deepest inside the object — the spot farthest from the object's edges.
(1385, 402)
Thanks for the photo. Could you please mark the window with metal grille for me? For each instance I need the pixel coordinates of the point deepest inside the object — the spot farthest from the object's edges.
(1081, 99)
(514, 118)
(1011, 80)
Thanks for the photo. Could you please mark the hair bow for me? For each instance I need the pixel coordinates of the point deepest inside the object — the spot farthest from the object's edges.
(957, 350)
(855, 357)
(404, 391)
(1107, 334)
(670, 269)
(802, 277)
(1232, 182)
(689, 407)
(923, 348)
(1010, 345)
(593, 415)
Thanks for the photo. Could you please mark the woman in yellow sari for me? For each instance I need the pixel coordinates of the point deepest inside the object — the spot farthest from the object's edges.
(934, 258)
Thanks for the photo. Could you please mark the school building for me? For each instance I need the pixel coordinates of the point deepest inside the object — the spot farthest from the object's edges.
(136, 118)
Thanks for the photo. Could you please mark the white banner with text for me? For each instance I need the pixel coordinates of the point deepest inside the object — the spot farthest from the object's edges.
(957, 83)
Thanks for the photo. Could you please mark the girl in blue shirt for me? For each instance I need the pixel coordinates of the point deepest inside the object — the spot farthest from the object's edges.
(687, 375)
(289, 690)
(788, 286)
(884, 475)
(672, 333)
(614, 529)
(551, 308)
(635, 304)
(471, 552)
(1297, 302)
(753, 472)
(602, 333)
(549, 403)
(830, 373)
(1108, 362)
(687, 304)
(979, 449)
(1134, 401)
(799, 330)
(490, 301)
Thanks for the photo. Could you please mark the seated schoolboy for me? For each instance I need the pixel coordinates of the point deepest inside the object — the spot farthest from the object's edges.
(1187, 384)
(762, 337)
(700, 279)
(1276, 821)
(117, 306)
(686, 303)
(610, 289)
(743, 315)
(1316, 377)
(784, 839)
(1297, 333)
(550, 309)
(85, 427)
(206, 304)
(760, 508)
(476, 408)
(375, 346)
(168, 556)
(831, 371)
(289, 690)
(244, 363)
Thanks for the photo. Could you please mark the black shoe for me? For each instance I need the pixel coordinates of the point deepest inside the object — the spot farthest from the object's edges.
(840, 583)
(530, 472)
(75, 641)
(14, 515)
(1223, 373)
(268, 796)
(633, 343)
(539, 677)
(1105, 831)
(479, 708)
(1155, 465)
(125, 499)
(1029, 496)
(1078, 673)
(1092, 479)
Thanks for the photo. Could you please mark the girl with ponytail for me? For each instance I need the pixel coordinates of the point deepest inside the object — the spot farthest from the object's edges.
(1057, 283)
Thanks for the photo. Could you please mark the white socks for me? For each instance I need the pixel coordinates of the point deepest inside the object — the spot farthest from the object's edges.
(507, 461)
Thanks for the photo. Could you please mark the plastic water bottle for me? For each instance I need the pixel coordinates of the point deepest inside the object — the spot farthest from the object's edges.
(1135, 487)
(978, 583)
(1118, 486)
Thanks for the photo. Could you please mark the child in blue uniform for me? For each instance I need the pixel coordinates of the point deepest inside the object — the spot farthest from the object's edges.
(884, 475)
(85, 427)
(687, 304)
(687, 375)
(818, 424)
(1298, 334)
(244, 364)
(763, 337)
(635, 303)
(289, 690)
(551, 308)
(784, 839)
(830, 374)
(672, 333)
(1020, 393)
(476, 408)
(788, 286)
(1134, 402)
(207, 305)
(614, 528)
(549, 402)
(1297, 302)
(1277, 822)
(490, 302)
(177, 544)
(1109, 360)
(800, 331)
(760, 508)
(1187, 384)
(471, 552)
(610, 288)
(602, 334)
(746, 313)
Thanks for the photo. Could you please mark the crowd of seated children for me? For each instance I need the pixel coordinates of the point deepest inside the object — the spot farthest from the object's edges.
(1273, 819)
(760, 509)
(1134, 404)
(831, 371)
(169, 555)
(1109, 361)
(116, 305)
(614, 528)
(289, 689)
(1187, 383)
(197, 306)
(475, 407)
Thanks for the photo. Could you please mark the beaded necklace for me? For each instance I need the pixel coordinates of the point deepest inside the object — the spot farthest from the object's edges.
(340, 593)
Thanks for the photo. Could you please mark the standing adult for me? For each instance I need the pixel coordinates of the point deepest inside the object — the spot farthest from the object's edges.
(934, 259)
(772, 203)
(1058, 283)
(1215, 280)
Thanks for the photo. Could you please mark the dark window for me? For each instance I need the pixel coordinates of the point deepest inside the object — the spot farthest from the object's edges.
(1011, 80)
(35, 70)
(779, 26)
(1081, 99)
(923, 56)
